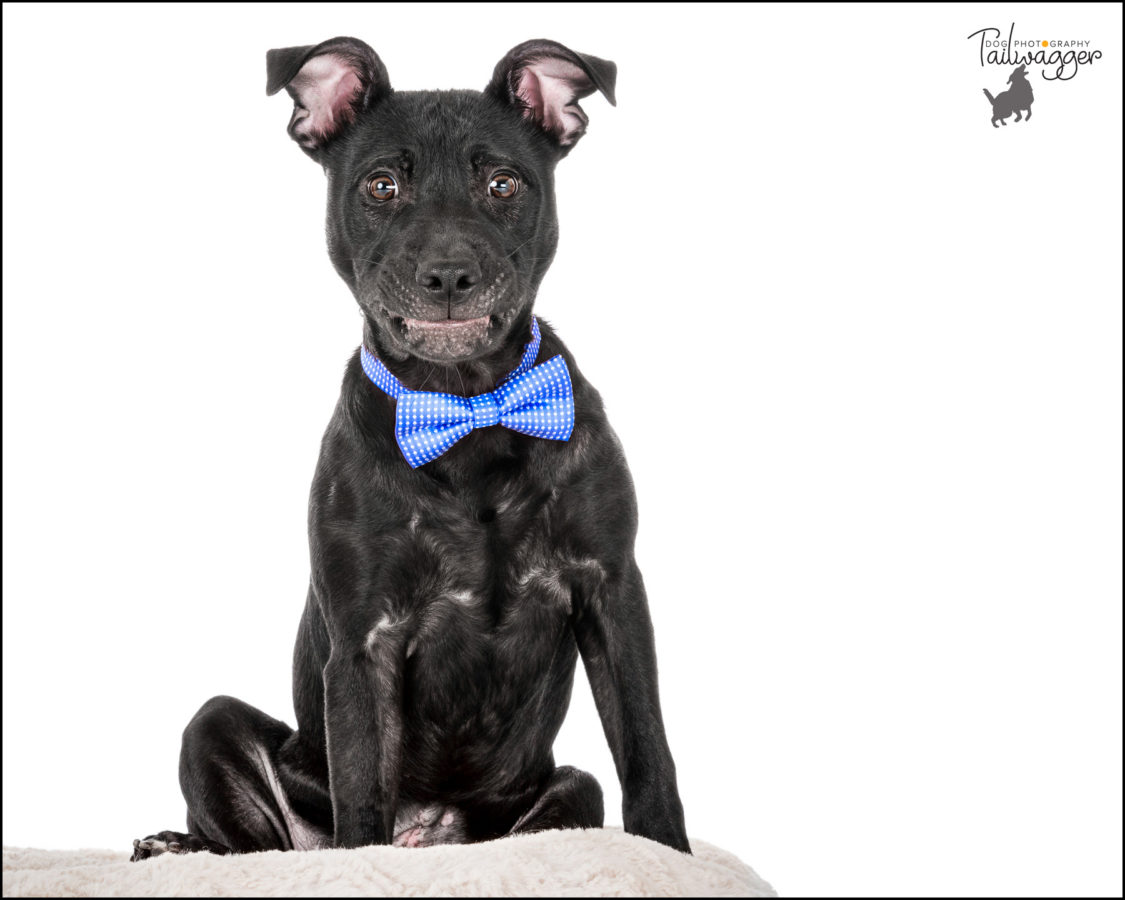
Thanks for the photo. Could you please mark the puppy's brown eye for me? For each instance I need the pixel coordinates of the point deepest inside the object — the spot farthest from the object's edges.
(383, 187)
(503, 185)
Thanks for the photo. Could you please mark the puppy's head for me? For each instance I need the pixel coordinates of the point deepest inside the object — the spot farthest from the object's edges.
(441, 211)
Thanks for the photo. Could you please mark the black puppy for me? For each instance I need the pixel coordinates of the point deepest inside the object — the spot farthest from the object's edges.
(464, 551)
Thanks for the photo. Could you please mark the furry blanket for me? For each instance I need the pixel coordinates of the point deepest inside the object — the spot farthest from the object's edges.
(596, 863)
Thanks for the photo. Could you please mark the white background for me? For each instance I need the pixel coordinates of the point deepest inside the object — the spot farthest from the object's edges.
(888, 612)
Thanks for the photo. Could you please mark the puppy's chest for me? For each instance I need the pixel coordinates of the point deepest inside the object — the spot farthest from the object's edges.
(493, 568)
(491, 625)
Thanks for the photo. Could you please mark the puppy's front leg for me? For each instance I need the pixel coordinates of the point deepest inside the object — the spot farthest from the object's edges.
(614, 634)
(363, 720)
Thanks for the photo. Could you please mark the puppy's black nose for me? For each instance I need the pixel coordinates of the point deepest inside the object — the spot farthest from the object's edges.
(451, 279)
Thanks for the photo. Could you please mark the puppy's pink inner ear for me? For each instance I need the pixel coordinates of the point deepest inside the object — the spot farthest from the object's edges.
(549, 89)
(326, 87)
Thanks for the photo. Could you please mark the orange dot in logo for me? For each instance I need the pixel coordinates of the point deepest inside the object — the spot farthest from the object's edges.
(1046, 44)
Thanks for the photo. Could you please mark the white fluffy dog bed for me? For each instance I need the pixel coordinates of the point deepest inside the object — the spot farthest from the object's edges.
(595, 863)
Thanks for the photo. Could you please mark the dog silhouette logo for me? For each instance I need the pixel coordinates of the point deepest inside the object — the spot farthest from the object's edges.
(1017, 99)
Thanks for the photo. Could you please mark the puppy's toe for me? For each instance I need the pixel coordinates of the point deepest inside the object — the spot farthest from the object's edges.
(175, 842)
(147, 848)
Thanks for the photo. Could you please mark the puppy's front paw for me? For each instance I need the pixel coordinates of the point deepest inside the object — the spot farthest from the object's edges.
(174, 842)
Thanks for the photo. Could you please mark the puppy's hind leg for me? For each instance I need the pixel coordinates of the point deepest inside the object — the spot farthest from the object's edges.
(571, 798)
(250, 784)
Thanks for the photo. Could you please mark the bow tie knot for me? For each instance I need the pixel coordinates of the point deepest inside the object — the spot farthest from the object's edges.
(486, 410)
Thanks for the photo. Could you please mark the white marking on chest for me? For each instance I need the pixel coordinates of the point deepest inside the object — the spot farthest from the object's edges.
(546, 581)
(385, 626)
(556, 581)
(586, 565)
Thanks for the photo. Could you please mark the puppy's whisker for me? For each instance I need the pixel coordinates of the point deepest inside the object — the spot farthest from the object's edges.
(520, 247)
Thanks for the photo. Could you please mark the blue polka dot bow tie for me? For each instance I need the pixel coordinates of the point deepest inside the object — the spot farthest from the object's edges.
(533, 400)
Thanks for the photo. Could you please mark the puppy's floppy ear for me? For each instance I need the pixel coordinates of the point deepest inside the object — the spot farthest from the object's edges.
(329, 83)
(546, 80)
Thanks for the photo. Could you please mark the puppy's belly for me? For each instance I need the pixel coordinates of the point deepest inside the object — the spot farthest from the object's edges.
(482, 707)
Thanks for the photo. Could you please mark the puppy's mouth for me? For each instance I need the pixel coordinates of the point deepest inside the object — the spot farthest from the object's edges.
(445, 340)
(444, 329)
